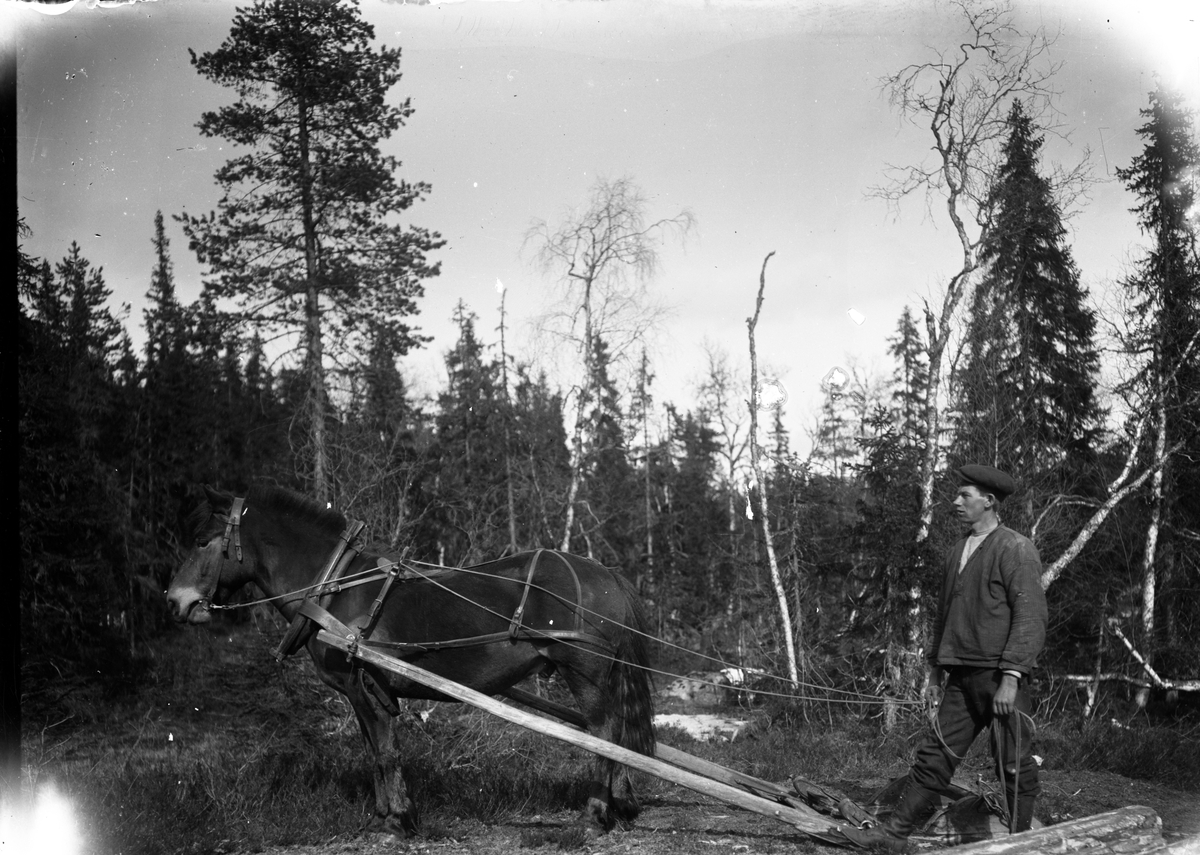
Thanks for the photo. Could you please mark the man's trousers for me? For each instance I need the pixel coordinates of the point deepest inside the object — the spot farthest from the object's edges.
(965, 712)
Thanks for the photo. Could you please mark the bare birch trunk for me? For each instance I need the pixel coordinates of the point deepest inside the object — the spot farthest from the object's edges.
(1118, 490)
(580, 413)
(1149, 574)
(760, 482)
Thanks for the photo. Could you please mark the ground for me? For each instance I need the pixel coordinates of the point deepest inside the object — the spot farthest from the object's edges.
(674, 820)
(679, 821)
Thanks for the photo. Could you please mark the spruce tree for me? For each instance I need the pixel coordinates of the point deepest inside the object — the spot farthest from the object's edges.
(470, 449)
(1165, 295)
(608, 527)
(910, 378)
(1027, 399)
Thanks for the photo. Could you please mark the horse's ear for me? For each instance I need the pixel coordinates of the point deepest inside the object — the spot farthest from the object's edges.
(218, 501)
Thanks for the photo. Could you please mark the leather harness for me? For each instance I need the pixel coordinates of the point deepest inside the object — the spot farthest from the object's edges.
(313, 614)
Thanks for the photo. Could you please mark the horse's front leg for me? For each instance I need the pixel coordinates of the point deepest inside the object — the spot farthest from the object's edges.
(394, 810)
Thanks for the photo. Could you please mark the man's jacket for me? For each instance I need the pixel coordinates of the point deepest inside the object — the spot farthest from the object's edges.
(993, 613)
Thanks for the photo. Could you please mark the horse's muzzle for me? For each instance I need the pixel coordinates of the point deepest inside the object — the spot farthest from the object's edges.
(187, 606)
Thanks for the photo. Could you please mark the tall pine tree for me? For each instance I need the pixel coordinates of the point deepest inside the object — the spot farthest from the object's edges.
(306, 238)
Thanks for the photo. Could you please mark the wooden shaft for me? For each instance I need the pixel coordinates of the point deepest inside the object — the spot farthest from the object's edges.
(665, 752)
(800, 817)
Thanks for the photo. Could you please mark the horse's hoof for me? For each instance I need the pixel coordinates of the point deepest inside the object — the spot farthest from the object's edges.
(625, 810)
(391, 828)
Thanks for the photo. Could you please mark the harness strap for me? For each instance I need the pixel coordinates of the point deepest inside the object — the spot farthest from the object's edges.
(233, 527)
(578, 587)
(514, 626)
(393, 570)
(300, 629)
(311, 611)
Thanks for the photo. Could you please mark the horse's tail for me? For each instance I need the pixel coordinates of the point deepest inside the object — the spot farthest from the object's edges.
(629, 682)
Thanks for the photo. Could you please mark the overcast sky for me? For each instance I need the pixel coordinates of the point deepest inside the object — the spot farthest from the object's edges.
(764, 119)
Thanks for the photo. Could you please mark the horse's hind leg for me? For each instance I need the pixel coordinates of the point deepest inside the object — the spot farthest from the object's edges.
(610, 794)
(394, 810)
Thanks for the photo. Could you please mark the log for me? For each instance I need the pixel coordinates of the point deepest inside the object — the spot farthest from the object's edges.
(799, 817)
(1124, 831)
(1185, 846)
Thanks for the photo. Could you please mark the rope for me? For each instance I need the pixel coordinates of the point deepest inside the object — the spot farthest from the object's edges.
(997, 740)
(380, 571)
(856, 697)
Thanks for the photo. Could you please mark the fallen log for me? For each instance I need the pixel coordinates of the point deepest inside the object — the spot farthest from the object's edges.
(1124, 831)
(798, 816)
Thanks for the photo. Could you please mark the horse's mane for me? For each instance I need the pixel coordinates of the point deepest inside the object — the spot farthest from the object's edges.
(277, 499)
(296, 506)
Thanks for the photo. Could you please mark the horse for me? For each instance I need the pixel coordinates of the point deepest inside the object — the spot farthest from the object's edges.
(487, 626)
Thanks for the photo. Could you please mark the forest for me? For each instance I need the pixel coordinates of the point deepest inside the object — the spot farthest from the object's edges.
(818, 568)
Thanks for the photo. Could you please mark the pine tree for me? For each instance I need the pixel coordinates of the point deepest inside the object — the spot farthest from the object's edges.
(1027, 389)
(306, 239)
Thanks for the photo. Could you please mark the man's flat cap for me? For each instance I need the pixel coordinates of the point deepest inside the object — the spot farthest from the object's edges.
(988, 478)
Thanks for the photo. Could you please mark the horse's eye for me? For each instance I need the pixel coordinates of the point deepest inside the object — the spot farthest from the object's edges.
(201, 542)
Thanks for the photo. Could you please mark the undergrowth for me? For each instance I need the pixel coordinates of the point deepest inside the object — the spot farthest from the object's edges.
(1166, 754)
(214, 748)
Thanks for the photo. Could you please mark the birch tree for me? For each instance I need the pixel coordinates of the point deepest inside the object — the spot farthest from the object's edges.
(960, 96)
(603, 256)
(760, 482)
(722, 394)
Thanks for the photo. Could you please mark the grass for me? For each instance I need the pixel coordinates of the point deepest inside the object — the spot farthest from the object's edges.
(208, 746)
(1166, 754)
(220, 749)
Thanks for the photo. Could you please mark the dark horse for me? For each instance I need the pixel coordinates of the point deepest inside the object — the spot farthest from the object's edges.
(487, 627)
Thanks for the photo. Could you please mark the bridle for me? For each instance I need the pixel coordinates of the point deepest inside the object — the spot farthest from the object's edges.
(233, 525)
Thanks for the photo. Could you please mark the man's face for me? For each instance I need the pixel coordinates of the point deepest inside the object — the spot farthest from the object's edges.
(970, 504)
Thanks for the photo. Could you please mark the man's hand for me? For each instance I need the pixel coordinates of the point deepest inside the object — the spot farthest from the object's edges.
(933, 690)
(1005, 701)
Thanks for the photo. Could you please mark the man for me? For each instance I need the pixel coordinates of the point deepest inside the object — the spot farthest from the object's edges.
(990, 628)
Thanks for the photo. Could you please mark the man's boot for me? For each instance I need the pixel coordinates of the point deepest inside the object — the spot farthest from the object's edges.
(1024, 810)
(893, 835)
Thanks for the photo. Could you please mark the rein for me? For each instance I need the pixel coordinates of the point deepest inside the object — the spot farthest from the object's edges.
(314, 598)
(386, 568)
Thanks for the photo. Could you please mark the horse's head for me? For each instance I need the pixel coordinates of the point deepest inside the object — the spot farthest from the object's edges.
(215, 565)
